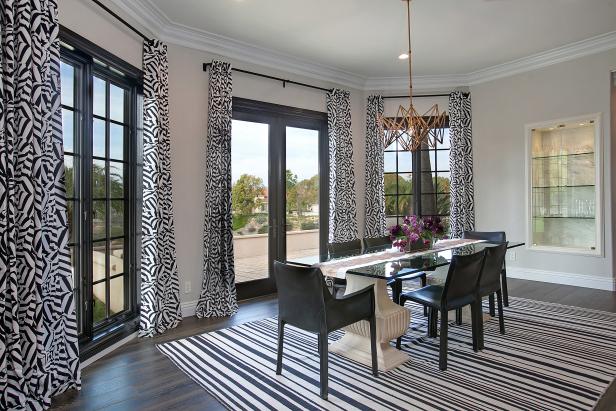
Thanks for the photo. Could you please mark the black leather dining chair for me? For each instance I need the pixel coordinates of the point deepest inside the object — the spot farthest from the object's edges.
(341, 250)
(490, 283)
(382, 243)
(493, 237)
(460, 290)
(305, 302)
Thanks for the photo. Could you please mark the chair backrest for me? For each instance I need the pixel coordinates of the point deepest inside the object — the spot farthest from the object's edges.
(301, 292)
(377, 243)
(463, 276)
(491, 236)
(492, 267)
(344, 249)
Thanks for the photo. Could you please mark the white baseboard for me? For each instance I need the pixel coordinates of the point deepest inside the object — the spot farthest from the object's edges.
(189, 308)
(578, 280)
(107, 350)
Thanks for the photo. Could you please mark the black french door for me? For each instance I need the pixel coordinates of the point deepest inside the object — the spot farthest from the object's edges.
(280, 180)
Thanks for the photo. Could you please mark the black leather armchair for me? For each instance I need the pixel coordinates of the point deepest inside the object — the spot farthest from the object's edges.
(493, 237)
(305, 302)
(460, 289)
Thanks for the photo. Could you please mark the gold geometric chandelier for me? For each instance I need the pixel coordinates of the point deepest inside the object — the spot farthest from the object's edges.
(412, 130)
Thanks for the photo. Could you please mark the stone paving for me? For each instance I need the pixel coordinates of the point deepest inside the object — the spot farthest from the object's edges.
(255, 268)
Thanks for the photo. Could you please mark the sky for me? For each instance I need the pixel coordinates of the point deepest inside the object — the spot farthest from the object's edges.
(249, 151)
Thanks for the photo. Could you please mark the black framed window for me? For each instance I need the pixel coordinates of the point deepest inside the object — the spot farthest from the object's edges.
(101, 100)
(417, 182)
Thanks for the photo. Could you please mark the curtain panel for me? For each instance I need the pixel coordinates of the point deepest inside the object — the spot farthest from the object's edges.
(342, 207)
(160, 287)
(39, 355)
(218, 294)
(375, 189)
(461, 164)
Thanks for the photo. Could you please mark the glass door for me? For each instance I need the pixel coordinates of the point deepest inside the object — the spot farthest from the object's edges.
(302, 192)
(279, 200)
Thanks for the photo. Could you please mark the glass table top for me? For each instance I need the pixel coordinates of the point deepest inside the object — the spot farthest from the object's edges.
(405, 264)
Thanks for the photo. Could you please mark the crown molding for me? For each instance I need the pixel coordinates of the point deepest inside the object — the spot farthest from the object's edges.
(421, 84)
(151, 17)
(557, 55)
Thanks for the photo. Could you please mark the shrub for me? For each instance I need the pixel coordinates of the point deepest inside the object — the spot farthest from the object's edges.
(309, 225)
(263, 230)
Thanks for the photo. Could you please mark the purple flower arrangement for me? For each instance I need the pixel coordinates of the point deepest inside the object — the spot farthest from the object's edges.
(416, 232)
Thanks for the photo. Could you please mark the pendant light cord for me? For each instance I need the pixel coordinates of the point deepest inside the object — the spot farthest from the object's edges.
(408, 15)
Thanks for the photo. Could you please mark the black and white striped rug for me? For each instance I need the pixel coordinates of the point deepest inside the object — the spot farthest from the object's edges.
(553, 357)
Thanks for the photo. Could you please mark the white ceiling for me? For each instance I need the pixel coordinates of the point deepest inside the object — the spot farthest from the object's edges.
(364, 37)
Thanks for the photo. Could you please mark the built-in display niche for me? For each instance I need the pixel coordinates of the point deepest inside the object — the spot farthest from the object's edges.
(564, 186)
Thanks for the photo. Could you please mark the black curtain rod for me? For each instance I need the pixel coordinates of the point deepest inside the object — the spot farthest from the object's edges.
(284, 81)
(419, 95)
(127, 24)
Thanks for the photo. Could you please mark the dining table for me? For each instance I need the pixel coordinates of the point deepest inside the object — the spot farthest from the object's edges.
(378, 266)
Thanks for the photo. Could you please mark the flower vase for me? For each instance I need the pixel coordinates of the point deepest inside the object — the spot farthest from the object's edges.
(418, 245)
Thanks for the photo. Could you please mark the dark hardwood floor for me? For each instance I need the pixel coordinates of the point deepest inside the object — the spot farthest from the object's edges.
(138, 377)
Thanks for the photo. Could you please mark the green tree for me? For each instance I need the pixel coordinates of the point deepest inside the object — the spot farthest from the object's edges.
(291, 191)
(306, 194)
(244, 194)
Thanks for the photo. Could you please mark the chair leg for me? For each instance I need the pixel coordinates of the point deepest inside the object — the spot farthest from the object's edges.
(280, 345)
(480, 344)
(501, 319)
(442, 358)
(504, 285)
(491, 305)
(399, 343)
(474, 326)
(459, 316)
(375, 364)
(434, 322)
(423, 284)
(396, 290)
(323, 363)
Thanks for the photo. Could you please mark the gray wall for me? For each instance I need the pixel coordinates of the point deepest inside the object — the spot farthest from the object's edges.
(501, 108)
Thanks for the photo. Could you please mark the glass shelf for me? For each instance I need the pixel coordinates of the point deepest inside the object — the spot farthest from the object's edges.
(563, 155)
(563, 186)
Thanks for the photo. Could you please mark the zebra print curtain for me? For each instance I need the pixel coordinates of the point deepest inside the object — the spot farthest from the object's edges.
(39, 355)
(461, 164)
(218, 295)
(342, 208)
(160, 287)
(375, 190)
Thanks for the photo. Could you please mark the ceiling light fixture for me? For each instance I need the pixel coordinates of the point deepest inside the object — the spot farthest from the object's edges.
(403, 56)
(412, 130)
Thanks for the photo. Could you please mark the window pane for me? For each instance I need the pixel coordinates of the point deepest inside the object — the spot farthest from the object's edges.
(116, 257)
(405, 183)
(99, 262)
(116, 218)
(405, 205)
(68, 127)
(405, 161)
(428, 204)
(443, 182)
(446, 142)
(393, 146)
(100, 308)
(99, 97)
(116, 103)
(99, 219)
(71, 206)
(67, 84)
(390, 183)
(116, 179)
(98, 138)
(116, 295)
(390, 205)
(116, 142)
(442, 160)
(442, 204)
(69, 176)
(390, 162)
(98, 179)
(428, 183)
